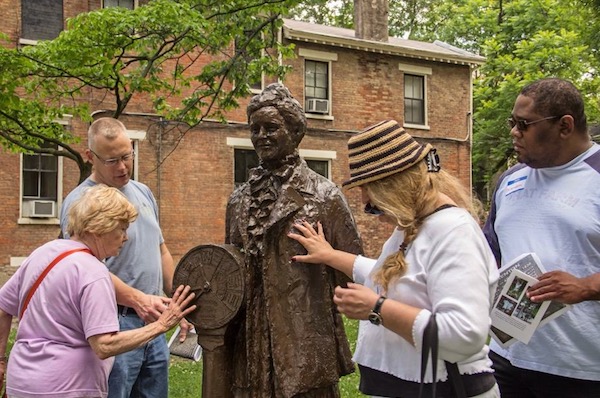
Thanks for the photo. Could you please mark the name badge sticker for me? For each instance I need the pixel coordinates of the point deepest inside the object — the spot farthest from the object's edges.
(515, 185)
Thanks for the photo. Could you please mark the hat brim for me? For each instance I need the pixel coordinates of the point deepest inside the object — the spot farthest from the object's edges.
(379, 173)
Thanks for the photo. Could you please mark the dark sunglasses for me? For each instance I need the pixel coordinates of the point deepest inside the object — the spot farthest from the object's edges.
(522, 125)
(370, 209)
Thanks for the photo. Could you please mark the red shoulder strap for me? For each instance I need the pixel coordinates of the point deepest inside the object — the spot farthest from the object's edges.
(36, 284)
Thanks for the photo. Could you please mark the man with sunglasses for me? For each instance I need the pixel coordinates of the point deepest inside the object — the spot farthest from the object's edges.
(143, 268)
(549, 204)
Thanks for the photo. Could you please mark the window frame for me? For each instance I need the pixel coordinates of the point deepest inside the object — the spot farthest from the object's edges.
(320, 156)
(136, 136)
(40, 171)
(425, 73)
(23, 219)
(236, 184)
(22, 41)
(66, 123)
(135, 4)
(306, 154)
(324, 57)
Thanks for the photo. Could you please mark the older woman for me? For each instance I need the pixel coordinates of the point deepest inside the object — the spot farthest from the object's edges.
(436, 261)
(65, 300)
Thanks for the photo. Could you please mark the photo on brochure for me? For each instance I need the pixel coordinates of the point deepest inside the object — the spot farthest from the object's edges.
(530, 265)
(514, 313)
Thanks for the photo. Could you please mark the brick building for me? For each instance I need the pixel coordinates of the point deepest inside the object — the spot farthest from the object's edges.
(346, 80)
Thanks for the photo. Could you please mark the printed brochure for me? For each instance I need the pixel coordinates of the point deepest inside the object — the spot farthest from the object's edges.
(189, 349)
(514, 316)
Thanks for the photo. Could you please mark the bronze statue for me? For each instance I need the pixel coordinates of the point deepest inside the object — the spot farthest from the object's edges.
(288, 340)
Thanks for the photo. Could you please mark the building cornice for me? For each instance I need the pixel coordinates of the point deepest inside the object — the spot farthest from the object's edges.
(339, 37)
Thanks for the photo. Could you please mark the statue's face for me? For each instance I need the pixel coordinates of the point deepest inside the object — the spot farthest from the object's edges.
(270, 137)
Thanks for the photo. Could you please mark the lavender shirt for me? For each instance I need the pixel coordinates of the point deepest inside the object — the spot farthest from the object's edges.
(51, 356)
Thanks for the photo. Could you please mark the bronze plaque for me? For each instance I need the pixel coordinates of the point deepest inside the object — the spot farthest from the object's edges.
(215, 274)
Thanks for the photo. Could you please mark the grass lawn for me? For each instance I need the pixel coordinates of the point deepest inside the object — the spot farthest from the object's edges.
(185, 378)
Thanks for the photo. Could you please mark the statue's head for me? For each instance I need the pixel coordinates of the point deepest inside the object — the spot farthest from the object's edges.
(277, 122)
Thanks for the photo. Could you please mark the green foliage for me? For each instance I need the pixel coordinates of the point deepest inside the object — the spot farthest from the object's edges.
(115, 55)
(179, 55)
(323, 12)
(522, 41)
(531, 41)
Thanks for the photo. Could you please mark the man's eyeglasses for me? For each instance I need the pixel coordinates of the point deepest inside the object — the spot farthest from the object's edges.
(115, 161)
(522, 125)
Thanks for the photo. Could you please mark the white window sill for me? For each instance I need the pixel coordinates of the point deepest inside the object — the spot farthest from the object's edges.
(319, 116)
(416, 126)
(38, 221)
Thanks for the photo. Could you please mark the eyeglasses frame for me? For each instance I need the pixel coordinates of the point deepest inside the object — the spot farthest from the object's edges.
(522, 124)
(115, 161)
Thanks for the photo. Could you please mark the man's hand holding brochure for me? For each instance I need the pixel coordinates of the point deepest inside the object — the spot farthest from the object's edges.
(514, 316)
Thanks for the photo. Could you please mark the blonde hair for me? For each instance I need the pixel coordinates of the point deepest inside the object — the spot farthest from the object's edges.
(409, 197)
(99, 210)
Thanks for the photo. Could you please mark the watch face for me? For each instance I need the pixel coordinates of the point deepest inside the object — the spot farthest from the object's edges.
(375, 318)
(215, 274)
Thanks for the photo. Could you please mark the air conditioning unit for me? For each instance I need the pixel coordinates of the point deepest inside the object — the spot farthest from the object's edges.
(316, 105)
(39, 208)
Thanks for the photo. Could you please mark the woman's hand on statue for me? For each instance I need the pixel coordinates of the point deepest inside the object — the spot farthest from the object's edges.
(356, 301)
(319, 250)
(178, 308)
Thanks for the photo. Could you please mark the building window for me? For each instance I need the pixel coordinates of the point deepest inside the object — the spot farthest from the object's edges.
(39, 177)
(245, 159)
(317, 82)
(130, 4)
(320, 166)
(136, 137)
(41, 20)
(415, 95)
(316, 79)
(316, 86)
(414, 99)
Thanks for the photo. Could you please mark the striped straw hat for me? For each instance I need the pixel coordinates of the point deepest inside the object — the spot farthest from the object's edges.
(382, 150)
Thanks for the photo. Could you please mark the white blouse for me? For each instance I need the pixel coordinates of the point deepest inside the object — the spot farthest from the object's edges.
(451, 271)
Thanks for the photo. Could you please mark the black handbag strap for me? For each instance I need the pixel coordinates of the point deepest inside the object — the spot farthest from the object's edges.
(430, 344)
(455, 379)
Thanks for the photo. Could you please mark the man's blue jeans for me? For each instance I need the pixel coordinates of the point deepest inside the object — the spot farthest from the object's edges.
(143, 372)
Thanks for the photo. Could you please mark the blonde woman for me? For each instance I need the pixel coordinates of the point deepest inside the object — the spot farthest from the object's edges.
(436, 261)
(63, 295)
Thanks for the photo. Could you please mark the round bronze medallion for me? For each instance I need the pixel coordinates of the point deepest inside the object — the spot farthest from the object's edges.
(215, 274)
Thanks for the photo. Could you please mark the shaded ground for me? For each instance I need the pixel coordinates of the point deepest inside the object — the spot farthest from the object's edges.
(6, 272)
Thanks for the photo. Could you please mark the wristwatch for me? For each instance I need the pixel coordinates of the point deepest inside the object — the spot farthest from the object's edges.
(375, 315)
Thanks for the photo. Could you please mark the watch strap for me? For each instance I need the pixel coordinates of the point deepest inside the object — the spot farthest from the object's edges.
(378, 304)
